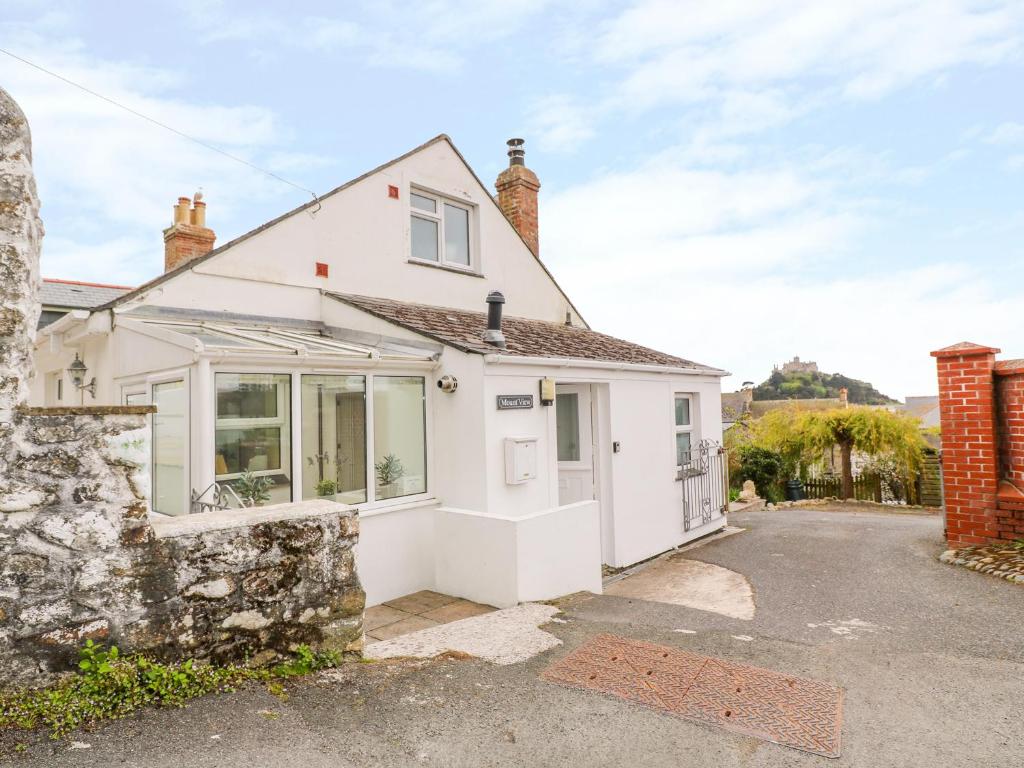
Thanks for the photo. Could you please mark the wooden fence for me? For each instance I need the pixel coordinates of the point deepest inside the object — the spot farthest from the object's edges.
(865, 487)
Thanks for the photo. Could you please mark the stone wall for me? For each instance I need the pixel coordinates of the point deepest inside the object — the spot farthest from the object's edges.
(80, 556)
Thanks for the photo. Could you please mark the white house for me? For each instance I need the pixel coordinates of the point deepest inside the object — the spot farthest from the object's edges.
(343, 348)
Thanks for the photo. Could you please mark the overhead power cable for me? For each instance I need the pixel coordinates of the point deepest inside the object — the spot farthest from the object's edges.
(166, 127)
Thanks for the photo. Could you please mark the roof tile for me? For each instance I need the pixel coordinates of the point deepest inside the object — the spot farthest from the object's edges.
(464, 330)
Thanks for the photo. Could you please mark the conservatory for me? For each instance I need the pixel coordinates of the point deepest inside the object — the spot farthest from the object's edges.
(276, 413)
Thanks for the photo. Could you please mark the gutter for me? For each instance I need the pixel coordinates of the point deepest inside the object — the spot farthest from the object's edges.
(604, 365)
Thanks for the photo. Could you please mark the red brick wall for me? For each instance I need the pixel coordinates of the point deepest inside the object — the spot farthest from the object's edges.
(981, 403)
(1009, 385)
(517, 189)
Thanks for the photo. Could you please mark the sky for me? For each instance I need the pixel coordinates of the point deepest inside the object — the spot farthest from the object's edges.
(732, 181)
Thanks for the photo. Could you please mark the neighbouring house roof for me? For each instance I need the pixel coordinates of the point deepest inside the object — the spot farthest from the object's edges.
(464, 330)
(924, 408)
(759, 408)
(315, 203)
(71, 294)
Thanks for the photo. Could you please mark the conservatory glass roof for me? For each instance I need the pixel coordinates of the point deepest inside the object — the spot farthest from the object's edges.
(288, 341)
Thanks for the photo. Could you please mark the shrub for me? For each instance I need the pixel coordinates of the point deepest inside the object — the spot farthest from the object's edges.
(765, 468)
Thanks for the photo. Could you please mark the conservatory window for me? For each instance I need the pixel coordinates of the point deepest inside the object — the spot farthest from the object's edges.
(334, 438)
(253, 435)
(169, 441)
(399, 436)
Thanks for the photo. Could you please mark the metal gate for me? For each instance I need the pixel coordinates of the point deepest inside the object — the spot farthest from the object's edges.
(704, 472)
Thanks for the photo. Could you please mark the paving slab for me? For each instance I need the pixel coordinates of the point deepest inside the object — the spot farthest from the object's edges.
(507, 636)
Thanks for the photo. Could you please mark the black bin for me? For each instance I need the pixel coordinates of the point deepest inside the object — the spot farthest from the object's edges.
(795, 490)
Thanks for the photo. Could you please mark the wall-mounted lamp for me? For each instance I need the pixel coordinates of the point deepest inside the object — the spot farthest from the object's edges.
(547, 391)
(77, 372)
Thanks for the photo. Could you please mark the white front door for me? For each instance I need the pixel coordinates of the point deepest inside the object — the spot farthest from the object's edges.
(573, 416)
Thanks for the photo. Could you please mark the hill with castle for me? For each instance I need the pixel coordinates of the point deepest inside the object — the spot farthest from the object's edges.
(801, 380)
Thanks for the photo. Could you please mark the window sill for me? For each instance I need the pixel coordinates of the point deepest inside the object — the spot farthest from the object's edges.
(445, 267)
(398, 505)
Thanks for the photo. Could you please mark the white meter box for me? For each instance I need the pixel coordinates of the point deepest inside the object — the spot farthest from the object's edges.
(520, 459)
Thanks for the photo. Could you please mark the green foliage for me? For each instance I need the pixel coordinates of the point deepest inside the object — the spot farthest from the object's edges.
(307, 660)
(801, 438)
(112, 685)
(763, 466)
(253, 489)
(803, 386)
(326, 488)
(389, 470)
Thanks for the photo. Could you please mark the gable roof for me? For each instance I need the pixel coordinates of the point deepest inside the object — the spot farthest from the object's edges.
(73, 294)
(316, 203)
(464, 330)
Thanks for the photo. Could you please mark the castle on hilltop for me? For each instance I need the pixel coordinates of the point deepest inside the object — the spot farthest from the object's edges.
(797, 366)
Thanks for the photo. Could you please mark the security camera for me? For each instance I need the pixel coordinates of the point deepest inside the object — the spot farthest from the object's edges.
(447, 383)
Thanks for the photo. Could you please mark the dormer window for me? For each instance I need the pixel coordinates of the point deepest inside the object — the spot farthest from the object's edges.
(440, 230)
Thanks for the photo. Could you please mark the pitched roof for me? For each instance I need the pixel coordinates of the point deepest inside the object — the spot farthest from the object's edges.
(315, 205)
(464, 330)
(77, 295)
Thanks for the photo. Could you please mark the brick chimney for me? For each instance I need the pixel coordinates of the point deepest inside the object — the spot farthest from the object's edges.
(517, 189)
(844, 397)
(188, 237)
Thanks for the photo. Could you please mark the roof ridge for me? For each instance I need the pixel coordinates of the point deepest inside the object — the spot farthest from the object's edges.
(62, 281)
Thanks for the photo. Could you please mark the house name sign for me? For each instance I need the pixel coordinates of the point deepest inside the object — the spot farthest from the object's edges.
(514, 402)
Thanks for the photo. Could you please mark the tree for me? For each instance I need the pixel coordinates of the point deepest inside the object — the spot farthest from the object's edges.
(802, 437)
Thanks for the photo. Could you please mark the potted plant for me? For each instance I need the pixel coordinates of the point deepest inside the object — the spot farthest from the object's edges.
(326, 488)
(389, 471)
(253, 489)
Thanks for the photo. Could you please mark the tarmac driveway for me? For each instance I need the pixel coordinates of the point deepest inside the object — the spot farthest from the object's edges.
(931, 658)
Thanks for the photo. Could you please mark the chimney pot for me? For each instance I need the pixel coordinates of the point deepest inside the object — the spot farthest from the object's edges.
(516, 153)
(188, 237)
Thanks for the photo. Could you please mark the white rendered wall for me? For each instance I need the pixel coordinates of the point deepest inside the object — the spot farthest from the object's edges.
(641, 501)
(363, 236)
(503, 561)
(559, 552)
(396, 552)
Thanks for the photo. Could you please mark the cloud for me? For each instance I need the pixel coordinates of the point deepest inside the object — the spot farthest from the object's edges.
(1006, 133)
(111, 178)
(739, 67)
(676, 53)
(744, 268)
(432, 36)
(560, 124)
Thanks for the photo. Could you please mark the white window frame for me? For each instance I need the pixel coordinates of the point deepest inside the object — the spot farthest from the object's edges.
(678, 429)
(184, 375)
(438, 218)
(284, 414)
(135, 389)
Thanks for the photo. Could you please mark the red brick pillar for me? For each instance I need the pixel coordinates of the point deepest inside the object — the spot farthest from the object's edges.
(970, 458)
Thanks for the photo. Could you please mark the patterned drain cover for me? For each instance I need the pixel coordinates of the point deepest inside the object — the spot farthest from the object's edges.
(792, 711)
